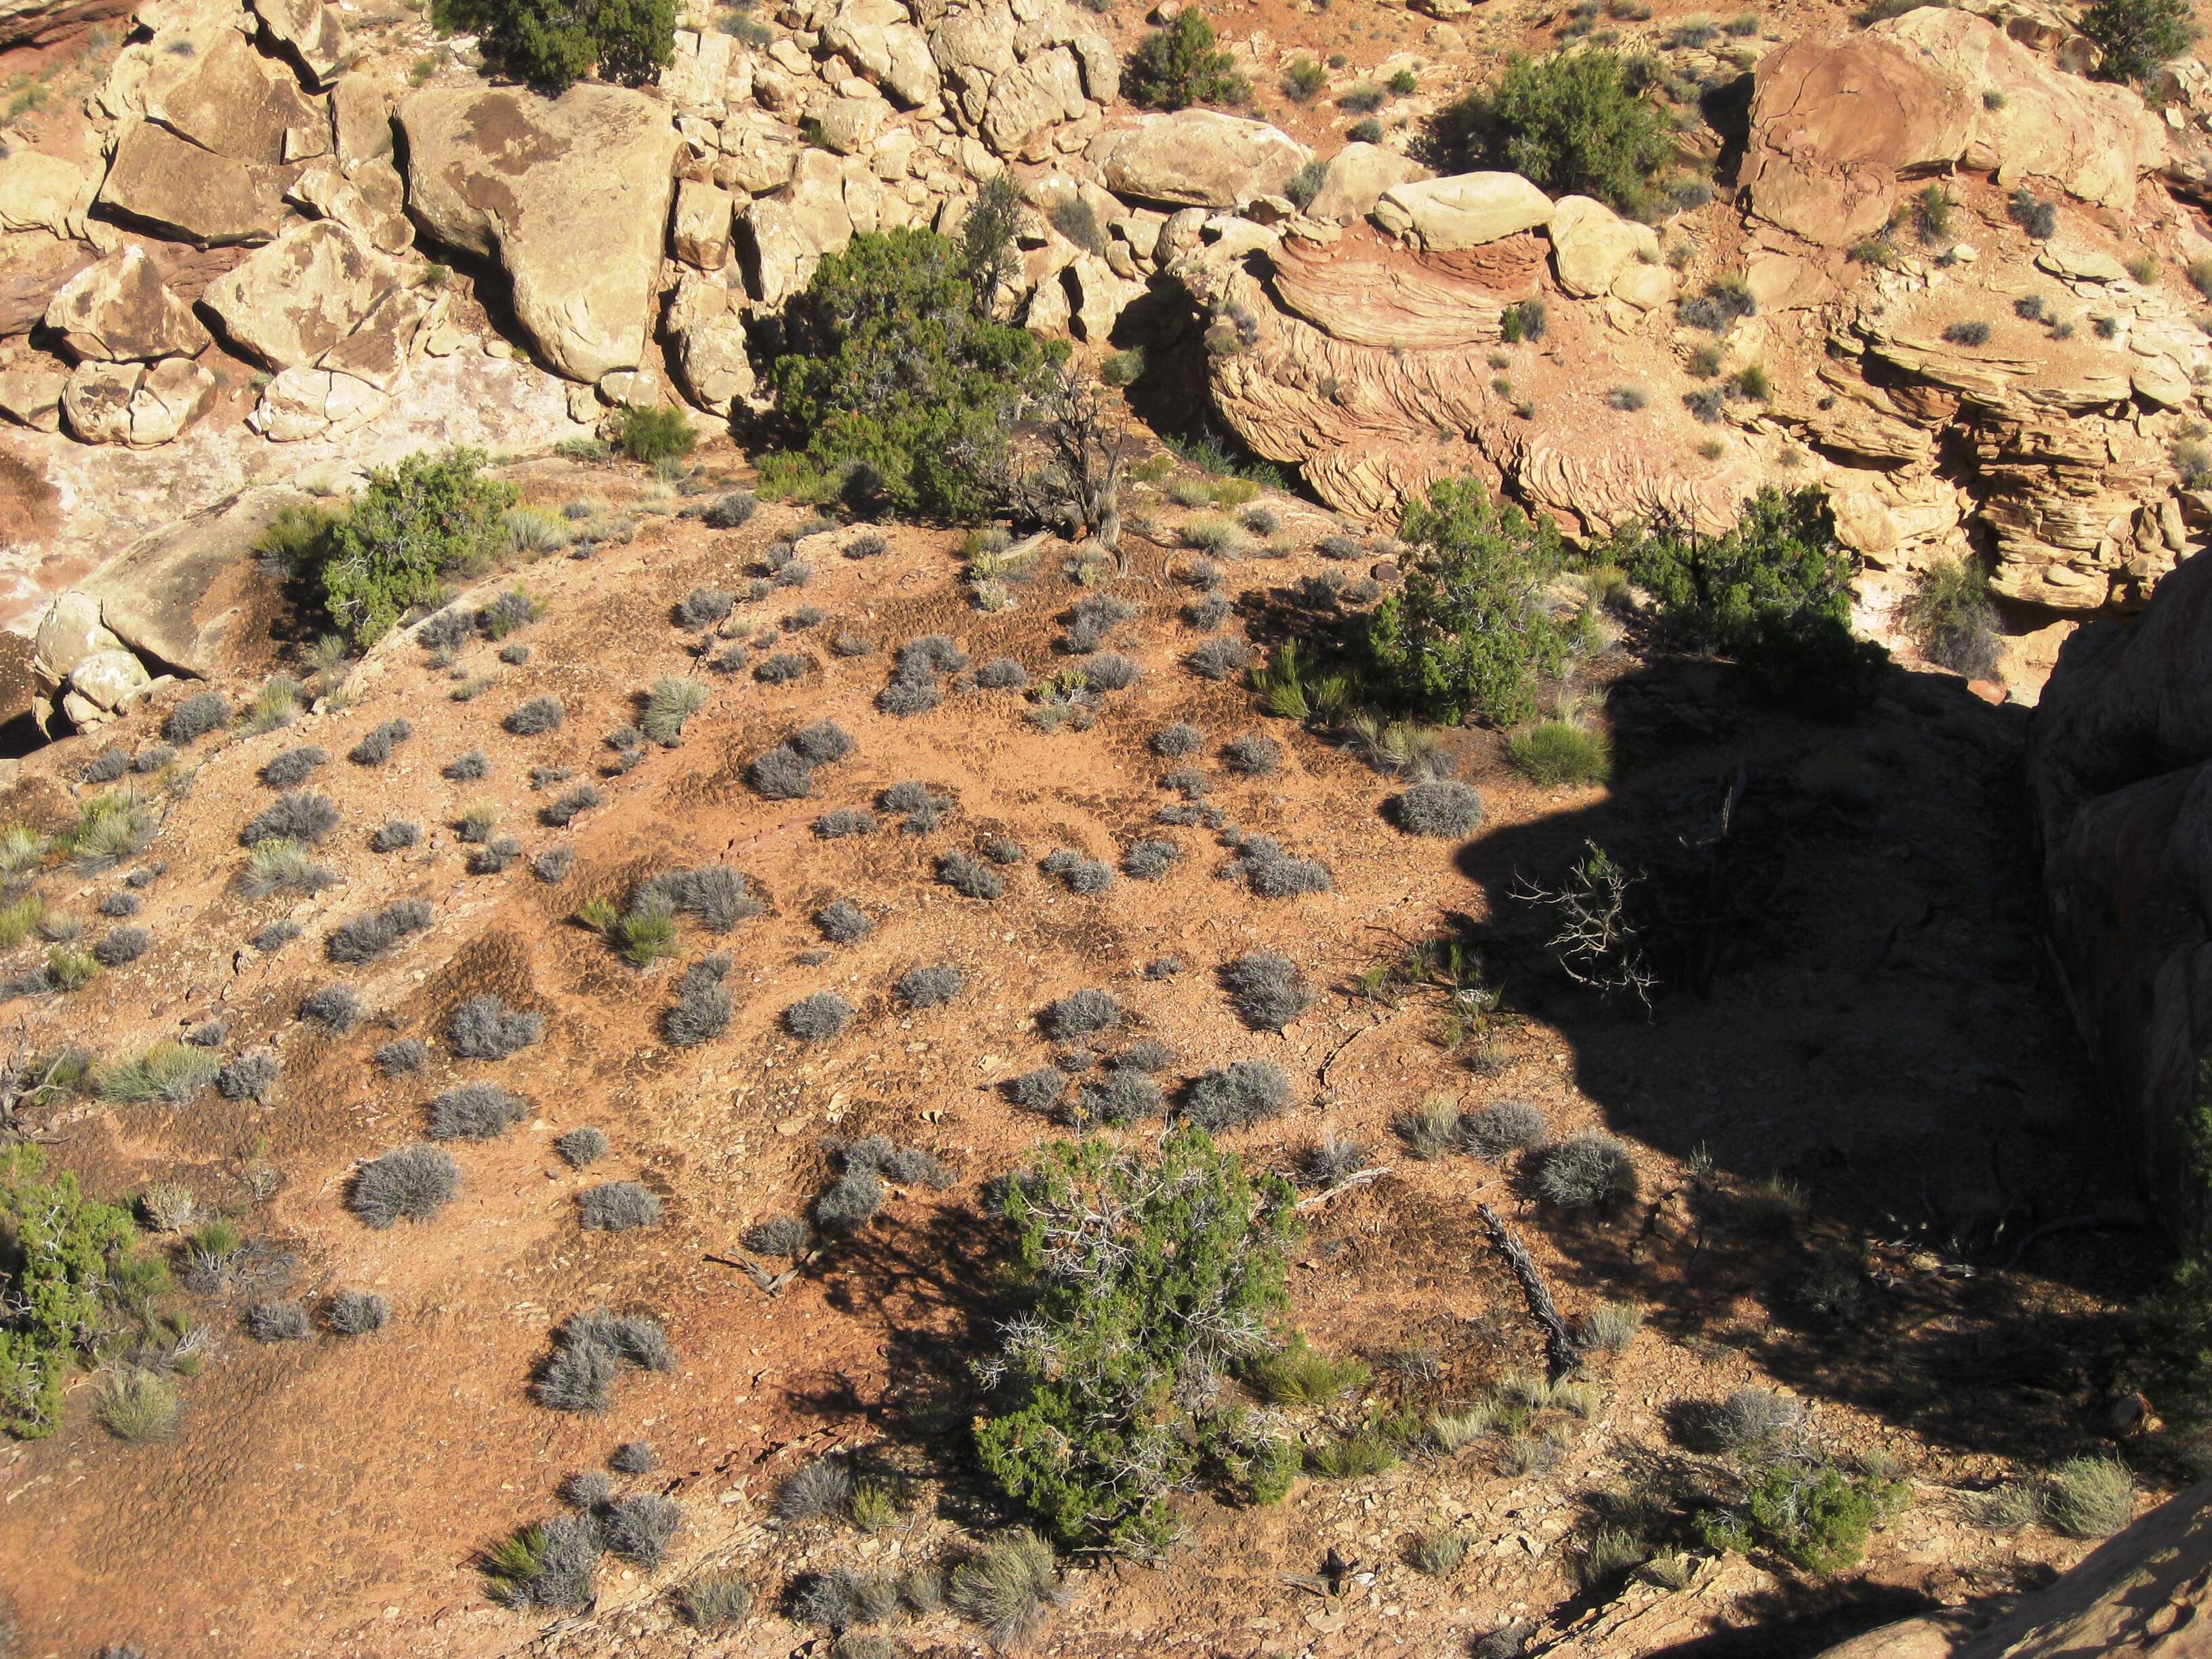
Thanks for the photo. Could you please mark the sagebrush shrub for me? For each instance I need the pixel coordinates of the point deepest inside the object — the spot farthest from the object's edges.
(843, 922)
(356, 1313)
(1149, 860)
(470, 766)
(365, 937)
(702, 1008)
(299, 817)
(617, 1206)
(293, 768)
(1502, 1129)
(195, 717)
(336, 1007)
(1178, 740)
(1234, 1095)
(563, 812)
(485, 1028)
(1252, 754)
(1038, 1090)
(474, 1111)
(702, 607)
(970, 878)
(407, 1054)
(818, 1018)
(588, 1352)
(1442, 806)
(378, 743)
(842, 821)
(581, 1147)
(669, 704)
(1586, 1170)
(1263, 866)
(121, 945)
(1079, 1013)
(1080, 875)
(395, 835)
(250, 1077)
(409, 1183)
(277, 1321)
(1267, 989)
(534, 718)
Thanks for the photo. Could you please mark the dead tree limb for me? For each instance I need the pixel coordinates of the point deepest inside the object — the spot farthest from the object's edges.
(1560, 1347)
(1357, 1178)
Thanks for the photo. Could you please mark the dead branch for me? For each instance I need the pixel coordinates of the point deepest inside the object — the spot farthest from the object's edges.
(1558, 1342)
(1357, 1178)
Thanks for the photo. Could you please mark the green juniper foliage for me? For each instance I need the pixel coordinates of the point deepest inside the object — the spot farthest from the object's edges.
(1573, 122)
(554, 44)
(66, 1250)
(414, 526)
(1465, 636)
(897, 382)
(1141, 1277)
(2136, 36)
(1182, 63)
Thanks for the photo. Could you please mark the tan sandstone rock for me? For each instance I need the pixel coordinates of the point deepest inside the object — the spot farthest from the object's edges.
(1199, 158)
(570, 194)
(786, 234)
(238, 104)
(1358, 175)
(1591, 245)
(310, 32)
(289, 302)
(119, 309)
(711, 362)
(194, 194)
(701, 232)
(45, 193)
(133, 403)
(1465, 210)
(69, 632)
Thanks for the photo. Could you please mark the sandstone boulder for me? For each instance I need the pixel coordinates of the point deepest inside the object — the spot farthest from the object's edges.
(386, 341)
(877, 36)
(1592, 245)
(133, 403)
(1027, 101)
(1834, 122)
(31, 391)
(696, 80)
(1465, 210)
(570, 194)
(1199, 158)
(69, 632)
(305, 402)
(111, 680)
(119, 309)
(700, 233)
(1357, 177)
(370, 202)
(786, 234)
(240, 105)
(851, 125)
(172, 595)
(310, 32)
(289, 302)
(177, 188)
(361, 119)
(45, 193)
(711, 361)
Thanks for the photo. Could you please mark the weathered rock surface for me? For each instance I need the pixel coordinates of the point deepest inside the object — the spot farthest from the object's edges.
(786, 234)
(2119, 771)
(310, 32)
(1358, 175)
(172, 595)
(1440, 216)
(135, 403)
(69, 632)
(1199, 158)
(45, 193)
(289, 302)
(119, 309)
(196, 195)
(1592, 245)
(514, 176)
(238, 104)
(1835, 122)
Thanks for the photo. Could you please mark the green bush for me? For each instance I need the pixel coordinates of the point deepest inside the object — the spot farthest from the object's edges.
(2137, 36)
(1179, 65)
(1950, 617)
(413, 525)
(896, 381)
(1141, 1277)
(1773, 592)
(1559, 752)
(658, 434)
(554, 44)
(1303, 78)
(1571, 122)
(1465, 635)
(65, 1252)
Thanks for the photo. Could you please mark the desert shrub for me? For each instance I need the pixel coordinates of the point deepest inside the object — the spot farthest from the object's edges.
(1750, 1420)
(639, 1527)
(335, 1007)
(1610, 1326)
(121, 945)
(818, 1018)
(1573, 122)
(1950, 617)
(1267, 989)
(563, 811)
(367, 937)
(67, 1253)
(109, 764)
(407, 1054)
(1558, 752)
(731, 511)
(590, 1350)
(668, 704)
(494, 855)
(843, 923)
(1252, 755)
(356, 1313)
(819, 1488)
(1465, 634)
(554, 46)
(120, 904)
(552, 1564)
(1430, 1129)
(299, 817)
(293, 767)
(376, 743)
(969, 877)
(1084, 877)
(1079, 1014)
(1969, 333)
(1038, 1090)
(409, 1183)
(2090, 1497)
(552, 865)
(1585, 1170)
(702, 1007)
(1263, 866)
(716, 896)
(1773, 592)
(716, 1601)
(2138, 36)
(485, 1028)
(474, 1111)
(1002, 674)
(1502, 1129)
(195, 717)
(851, 1201)
(250, 1077)
(1110, 670)
(1182, 63)
(535, 718)
(897, 381)
(395, 835)
(1124, 1095)
(1149, 859)
(1303, 78)
(136, 1407)
(1440, 806)
(409, 529)
(1805, 1511)
(470, 766)
(1007, 1585)
(1232, 1096)
(660, 432)
(581, 1147)
(617, 1206)
(932, 986)
(277, 1321)
(702, 607)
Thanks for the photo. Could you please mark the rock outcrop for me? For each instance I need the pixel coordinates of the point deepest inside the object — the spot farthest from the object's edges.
(119, 310)
(1199, 158)
(136, 404)
(2119, 772)
(513, 177)
(1442, 215)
